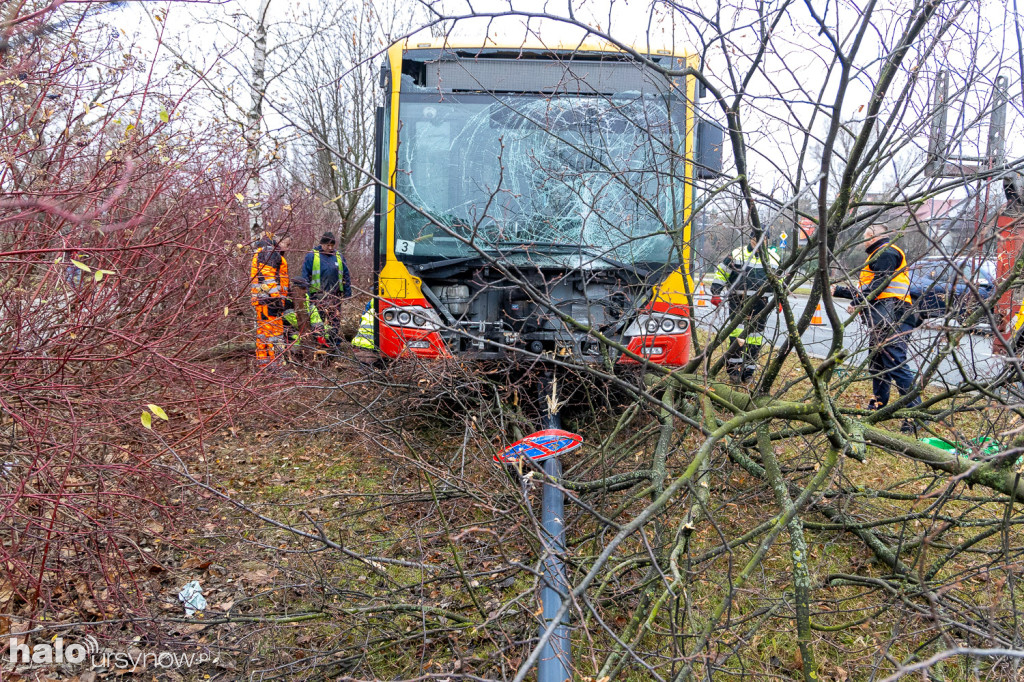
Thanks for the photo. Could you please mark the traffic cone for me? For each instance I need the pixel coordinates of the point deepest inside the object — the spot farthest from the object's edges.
(702, 296)
(816, 318)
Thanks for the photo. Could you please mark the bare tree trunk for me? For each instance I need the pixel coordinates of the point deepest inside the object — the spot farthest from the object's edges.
(254, 118)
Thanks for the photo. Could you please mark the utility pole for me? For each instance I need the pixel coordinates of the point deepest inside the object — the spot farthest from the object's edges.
(941, 164)
(1010, 221)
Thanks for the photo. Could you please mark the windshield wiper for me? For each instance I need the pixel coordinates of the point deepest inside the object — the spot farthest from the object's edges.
(448, 262)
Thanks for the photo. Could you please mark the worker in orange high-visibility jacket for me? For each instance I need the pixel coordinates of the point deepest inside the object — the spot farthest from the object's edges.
(885, 289)
(268, 281)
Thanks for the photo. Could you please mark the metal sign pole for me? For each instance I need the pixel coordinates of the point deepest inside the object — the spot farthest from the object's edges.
(555, 656)
(544, 448)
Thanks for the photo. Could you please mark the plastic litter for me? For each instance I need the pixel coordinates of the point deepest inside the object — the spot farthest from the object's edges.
(987, 445)
(192, 597)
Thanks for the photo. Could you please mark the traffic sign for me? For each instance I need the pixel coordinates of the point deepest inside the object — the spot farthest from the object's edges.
(540, 446)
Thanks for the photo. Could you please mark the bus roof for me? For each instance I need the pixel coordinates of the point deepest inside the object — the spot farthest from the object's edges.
(535, 45)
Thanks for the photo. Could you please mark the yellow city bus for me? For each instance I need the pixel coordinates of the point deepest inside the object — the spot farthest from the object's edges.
(536, 200)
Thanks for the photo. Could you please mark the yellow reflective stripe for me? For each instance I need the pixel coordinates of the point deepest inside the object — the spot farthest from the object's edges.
(736, 332)
(751, 259)
(755, 339)
(744, 256)
(364, 337)
(314, 314)
(899, 285)
(314, 285)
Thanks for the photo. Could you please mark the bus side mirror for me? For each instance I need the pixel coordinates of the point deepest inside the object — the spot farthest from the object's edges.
(708, 156)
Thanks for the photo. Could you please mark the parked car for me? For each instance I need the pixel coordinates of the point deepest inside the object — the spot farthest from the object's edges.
(940, 289)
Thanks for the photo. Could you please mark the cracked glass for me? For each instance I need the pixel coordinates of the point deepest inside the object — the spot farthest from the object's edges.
(602, 175)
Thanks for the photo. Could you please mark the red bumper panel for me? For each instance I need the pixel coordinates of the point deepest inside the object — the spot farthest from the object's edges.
(670, 349)
(394, 342)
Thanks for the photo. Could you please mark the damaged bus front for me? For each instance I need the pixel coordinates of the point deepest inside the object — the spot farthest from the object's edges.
(537, 201)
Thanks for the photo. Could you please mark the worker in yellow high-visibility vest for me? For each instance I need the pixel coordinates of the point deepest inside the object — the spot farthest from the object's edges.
(885, 288)
(740, 276)
(364, 335)
(326, 278)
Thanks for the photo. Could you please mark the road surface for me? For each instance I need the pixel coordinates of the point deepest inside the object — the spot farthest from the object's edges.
(974, 353)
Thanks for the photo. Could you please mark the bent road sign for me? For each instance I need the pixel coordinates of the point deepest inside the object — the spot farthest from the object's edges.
(540, 446)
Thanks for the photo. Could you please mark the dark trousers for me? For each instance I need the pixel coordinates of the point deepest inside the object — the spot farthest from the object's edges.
(890, 328)
(741, 361)
(888, 364)
(329, 307)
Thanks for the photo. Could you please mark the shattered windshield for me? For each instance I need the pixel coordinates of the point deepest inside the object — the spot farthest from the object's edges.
(540, 173)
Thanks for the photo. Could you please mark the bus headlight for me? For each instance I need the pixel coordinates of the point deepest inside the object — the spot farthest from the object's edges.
(412, 317)
(655, 324)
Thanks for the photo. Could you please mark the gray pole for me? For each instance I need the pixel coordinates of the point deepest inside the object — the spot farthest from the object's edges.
(554, 657)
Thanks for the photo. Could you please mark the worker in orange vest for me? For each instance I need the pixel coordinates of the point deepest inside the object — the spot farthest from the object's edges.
(268, 281)
(885, 288)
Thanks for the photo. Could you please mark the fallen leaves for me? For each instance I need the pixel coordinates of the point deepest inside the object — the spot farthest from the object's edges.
(195, 563)
(6, 593)
(260, 577)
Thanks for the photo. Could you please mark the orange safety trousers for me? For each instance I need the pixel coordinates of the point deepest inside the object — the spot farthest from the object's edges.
(268, 281)
(269, 336)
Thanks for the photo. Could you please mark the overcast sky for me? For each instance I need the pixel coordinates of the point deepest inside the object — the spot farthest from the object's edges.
(212, 37)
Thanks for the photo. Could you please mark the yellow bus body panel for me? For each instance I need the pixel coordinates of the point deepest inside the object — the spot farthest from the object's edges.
(396, 282)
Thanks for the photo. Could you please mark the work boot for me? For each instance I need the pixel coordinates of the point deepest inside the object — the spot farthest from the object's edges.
(734, 368)
(908, 426)
(874, 405)
(748, 373)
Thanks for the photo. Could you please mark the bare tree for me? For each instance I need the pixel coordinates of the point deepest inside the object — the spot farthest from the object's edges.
(336, 81)
(777, 527)
(668, 581)
(118, 216)
(254, 116)
(252, 55)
